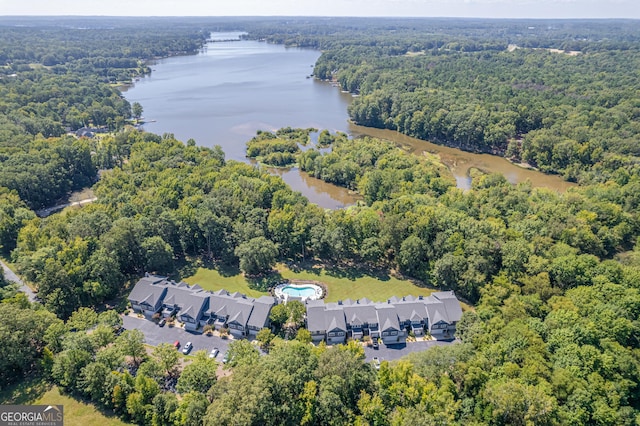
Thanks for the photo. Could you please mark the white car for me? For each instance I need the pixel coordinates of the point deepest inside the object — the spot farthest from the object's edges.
(187, 348)
(376, 363)
(214, 353)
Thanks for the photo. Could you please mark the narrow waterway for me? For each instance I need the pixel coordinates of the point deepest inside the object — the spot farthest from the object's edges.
(459, 162)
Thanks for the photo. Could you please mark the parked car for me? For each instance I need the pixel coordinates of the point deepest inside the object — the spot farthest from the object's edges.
(214, 353)
(187, 348)
(176, 344)
(374, 343)
(225, 359)
(376, 363)
(162, 322)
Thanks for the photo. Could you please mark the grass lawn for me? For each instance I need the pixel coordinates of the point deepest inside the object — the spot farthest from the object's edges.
(355, 283)
(341, 283)
(76, 413)
(211, 279)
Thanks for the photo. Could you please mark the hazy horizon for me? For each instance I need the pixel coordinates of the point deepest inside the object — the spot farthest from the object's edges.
(499, 9)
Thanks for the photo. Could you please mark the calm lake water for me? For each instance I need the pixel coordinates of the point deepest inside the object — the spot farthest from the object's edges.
(224, 94)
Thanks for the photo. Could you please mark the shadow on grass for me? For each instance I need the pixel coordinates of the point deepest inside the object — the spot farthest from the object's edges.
(189, 267)
(25, 392)
(185, 268)
(227, 270)
(264, 282)
(349, 271)
(309, 266)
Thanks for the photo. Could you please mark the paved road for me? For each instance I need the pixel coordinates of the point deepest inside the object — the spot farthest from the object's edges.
(11, 276)
(154, 335)
(46, 212)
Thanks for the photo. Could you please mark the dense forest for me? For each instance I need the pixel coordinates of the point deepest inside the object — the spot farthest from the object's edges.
(561, 96)
(554, 278)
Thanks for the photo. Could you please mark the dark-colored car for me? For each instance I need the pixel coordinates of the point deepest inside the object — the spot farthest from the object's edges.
(374, 343)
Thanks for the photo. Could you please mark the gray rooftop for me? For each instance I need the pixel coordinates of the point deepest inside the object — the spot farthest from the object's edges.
(316, 317)
(190, 301)
(451, 303)
(240, 311)
(358, 314)
(388, 317)
(261, 310)
(436, 310)
(149, 289)
(411, 311)
(334, 320)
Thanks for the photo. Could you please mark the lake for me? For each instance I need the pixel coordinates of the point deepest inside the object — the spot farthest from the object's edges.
(231, 89)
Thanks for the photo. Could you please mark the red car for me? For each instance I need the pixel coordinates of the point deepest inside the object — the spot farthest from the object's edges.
(176, 344)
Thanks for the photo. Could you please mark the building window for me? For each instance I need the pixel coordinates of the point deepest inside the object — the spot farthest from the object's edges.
(332, 334)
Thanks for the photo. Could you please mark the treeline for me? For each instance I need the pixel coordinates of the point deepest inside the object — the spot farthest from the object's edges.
(548, 109)
(457, 83)
(115, 50)
(56, 77)
(399, 35)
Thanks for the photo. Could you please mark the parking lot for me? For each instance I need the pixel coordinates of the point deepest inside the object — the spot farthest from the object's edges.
(154, 335)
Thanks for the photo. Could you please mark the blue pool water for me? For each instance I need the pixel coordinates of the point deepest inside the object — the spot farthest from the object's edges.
(299, 291)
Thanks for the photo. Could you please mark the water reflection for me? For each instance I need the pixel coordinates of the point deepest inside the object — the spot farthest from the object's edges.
(459, 162)
(317, 191)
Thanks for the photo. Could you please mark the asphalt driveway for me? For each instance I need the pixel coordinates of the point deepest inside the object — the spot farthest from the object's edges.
(154, 335)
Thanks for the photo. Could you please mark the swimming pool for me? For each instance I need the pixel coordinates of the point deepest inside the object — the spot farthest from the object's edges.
(299, 291)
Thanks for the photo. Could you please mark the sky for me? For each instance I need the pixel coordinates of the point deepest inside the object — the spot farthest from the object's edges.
(412, 8)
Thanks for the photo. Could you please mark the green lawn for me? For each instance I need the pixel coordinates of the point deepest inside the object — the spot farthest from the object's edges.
(76, 413)
(211, 279)
(355, 284)
(341, 283)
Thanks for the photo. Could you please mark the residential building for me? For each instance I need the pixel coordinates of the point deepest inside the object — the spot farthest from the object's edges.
(391, 321)
(196, 307)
